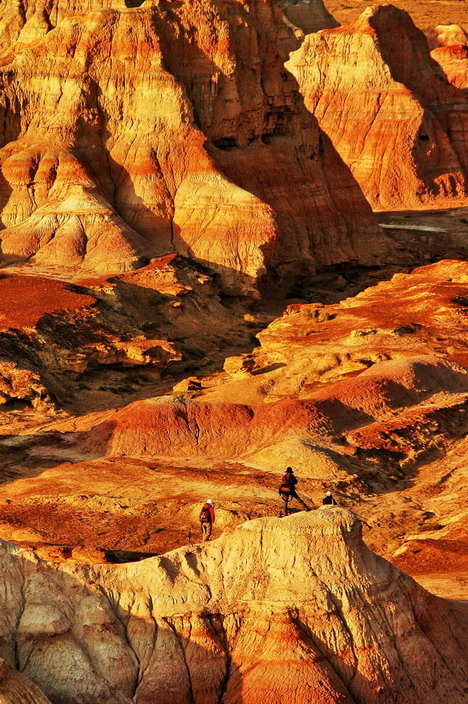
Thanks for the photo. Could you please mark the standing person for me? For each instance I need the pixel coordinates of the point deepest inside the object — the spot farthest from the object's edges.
(328, 500)
(207, 518)
(288, 491)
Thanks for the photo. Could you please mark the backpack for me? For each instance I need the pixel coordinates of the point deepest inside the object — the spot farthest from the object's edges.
(205, 515)
(285, 491)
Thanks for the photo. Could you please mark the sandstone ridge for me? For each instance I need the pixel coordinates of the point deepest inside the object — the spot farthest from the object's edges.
(299, 430)
(220, 161)
(276, 609)
(361, 83)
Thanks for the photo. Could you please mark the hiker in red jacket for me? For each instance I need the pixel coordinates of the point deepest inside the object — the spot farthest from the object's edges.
(207, 518)
(287, 490)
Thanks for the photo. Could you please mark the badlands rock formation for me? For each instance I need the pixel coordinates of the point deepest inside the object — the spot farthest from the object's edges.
(388, 108)
(449, 46)
(256, 616)
(446, 35)
(205, 148)
(49, 332)
(385, 400)
(359, 396)
(308, 15)
(52, 332)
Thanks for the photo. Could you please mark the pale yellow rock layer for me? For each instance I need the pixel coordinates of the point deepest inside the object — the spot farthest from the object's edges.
(276, 609)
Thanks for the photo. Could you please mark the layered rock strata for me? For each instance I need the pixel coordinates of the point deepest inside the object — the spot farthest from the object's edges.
(371, 412)
(390, 111)
(279, 609)
(205, 148)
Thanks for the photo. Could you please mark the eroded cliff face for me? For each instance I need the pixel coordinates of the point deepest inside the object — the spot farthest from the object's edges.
(388, 108)
(135, 132)
(278, 609)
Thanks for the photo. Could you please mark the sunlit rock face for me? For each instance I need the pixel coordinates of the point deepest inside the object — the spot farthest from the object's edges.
(449, 45)
(275, 610)
(128, 133)
(446, 35)
(390, 111)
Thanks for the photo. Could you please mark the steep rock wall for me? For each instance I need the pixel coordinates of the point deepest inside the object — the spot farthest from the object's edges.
(173, 127)
(398, 123)
(278, 609)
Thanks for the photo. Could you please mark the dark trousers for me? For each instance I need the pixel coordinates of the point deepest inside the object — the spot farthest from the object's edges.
(294, 495)
(206, 529)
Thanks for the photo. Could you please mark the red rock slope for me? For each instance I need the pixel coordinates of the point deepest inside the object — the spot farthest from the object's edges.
(449, 44)
(173, 126)
(295, 610)
(388, 108)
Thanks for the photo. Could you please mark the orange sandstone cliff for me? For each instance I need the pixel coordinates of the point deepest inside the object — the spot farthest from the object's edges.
(172, 127)
(389, 109)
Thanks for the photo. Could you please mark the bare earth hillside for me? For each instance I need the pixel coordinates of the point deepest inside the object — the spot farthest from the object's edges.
(257, 615)
(195, 294)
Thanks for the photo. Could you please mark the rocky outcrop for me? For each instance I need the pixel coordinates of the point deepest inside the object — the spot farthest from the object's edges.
(15, 688)
(347, 374)
(23, 385)
(375, 411)
(449, 44)
(227, 166)
(51, 331)
(308, 15)
(362, 83)
(279, 609)
(446, 35)
(426, 316)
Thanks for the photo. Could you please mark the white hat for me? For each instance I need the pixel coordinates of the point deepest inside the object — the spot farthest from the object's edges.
(209, 501)
(328, 493)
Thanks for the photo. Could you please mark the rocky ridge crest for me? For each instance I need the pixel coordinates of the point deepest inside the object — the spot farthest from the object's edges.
(277, 608)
